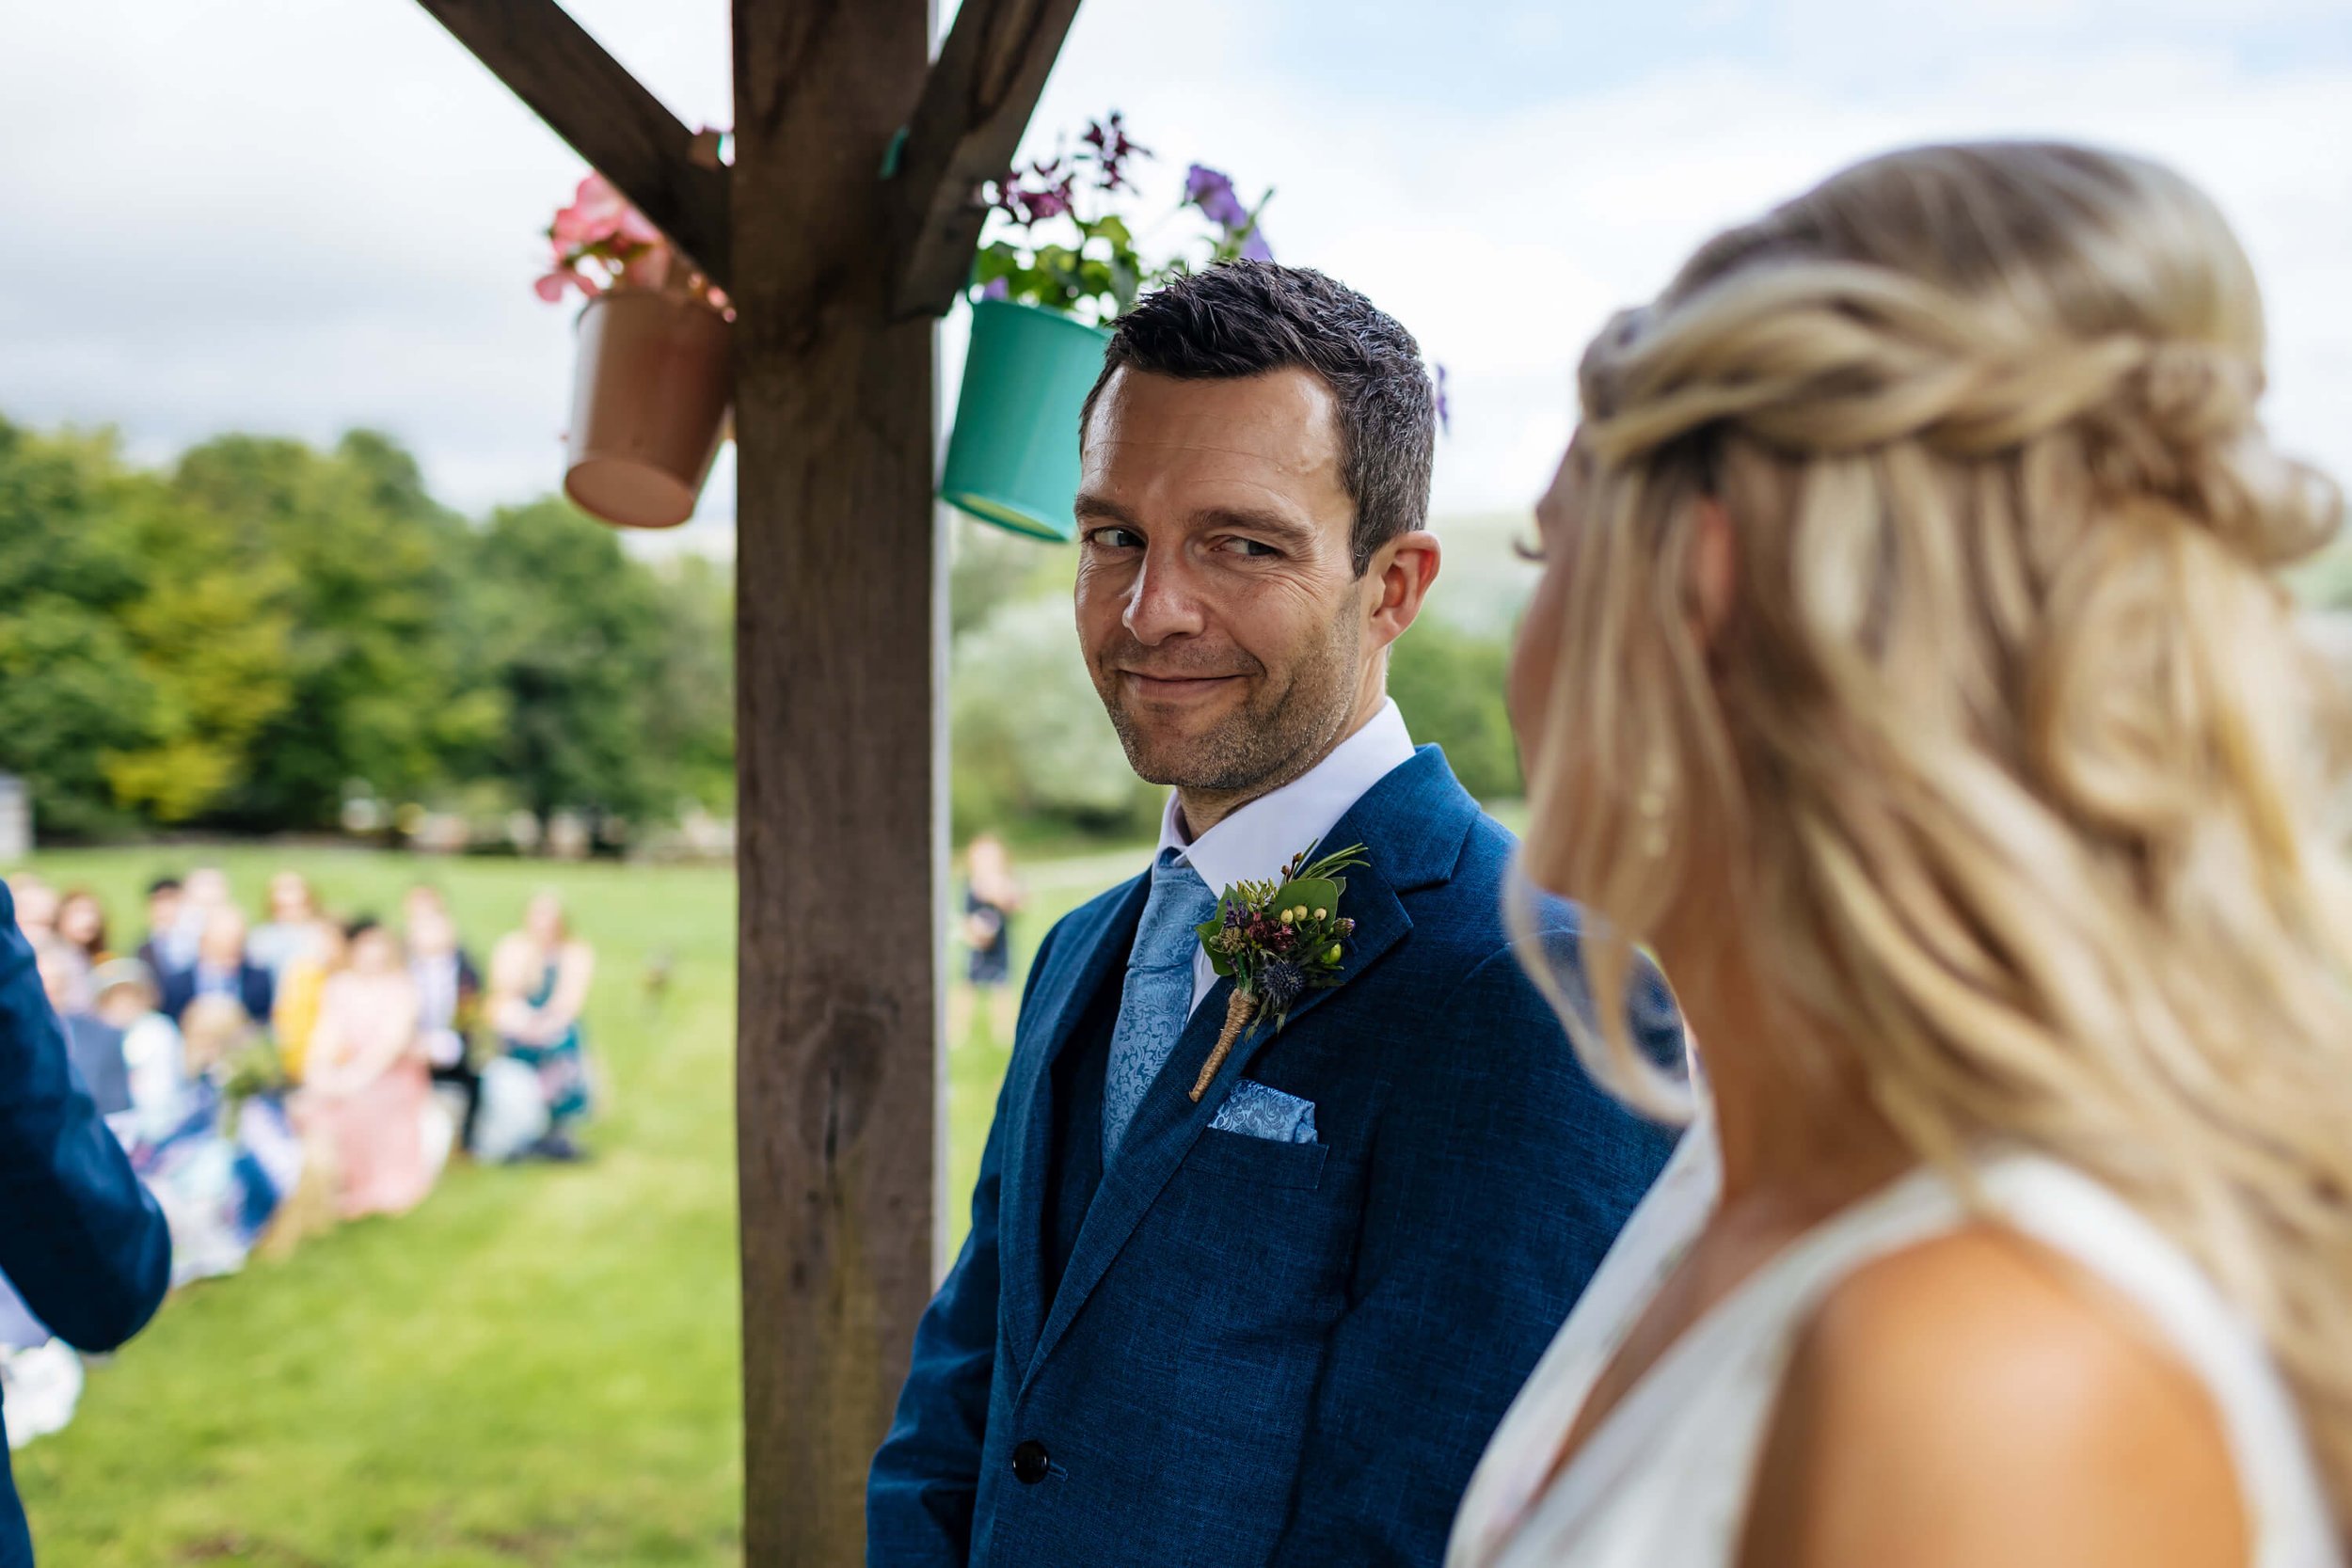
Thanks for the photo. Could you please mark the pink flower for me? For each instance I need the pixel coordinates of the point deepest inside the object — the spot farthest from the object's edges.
(552, 287)
(600, 212)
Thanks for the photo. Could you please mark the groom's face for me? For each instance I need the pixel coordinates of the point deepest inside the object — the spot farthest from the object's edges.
(1222, 617)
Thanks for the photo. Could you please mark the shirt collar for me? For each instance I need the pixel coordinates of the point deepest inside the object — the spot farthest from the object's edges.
(1259, 839)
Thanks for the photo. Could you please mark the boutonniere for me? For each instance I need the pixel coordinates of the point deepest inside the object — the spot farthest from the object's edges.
(1276, 941)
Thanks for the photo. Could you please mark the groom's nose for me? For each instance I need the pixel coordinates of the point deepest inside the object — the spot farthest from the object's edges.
(1164, 601)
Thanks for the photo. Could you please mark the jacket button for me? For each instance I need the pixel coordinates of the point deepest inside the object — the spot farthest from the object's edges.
(1029, 1462)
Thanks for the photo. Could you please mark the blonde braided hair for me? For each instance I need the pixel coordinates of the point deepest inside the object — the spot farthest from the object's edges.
(2024, 772)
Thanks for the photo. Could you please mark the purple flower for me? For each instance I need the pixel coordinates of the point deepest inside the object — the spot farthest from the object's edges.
(1112, 148)
(1445, 409)
(1255, 248)
(1213, 192)
(1283, 984)
(996, 287)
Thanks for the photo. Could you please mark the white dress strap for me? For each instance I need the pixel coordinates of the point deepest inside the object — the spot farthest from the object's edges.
(1664, 1482)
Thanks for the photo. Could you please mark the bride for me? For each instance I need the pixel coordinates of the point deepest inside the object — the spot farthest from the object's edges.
(1911, 674)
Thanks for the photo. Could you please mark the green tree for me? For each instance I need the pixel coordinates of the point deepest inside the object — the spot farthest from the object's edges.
(73, 691)
(1030, 739)
(571, 634)
(1449, 685)
(365, 567)
(214, 637)
(691, 719)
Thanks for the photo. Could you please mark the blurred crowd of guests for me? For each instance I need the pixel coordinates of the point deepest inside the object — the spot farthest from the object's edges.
(272, 1080)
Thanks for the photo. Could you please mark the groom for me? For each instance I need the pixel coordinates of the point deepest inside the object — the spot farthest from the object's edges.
(1276, 1325)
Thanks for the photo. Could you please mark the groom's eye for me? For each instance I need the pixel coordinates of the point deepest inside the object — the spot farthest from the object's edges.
(1116, 538)
(1254, 548)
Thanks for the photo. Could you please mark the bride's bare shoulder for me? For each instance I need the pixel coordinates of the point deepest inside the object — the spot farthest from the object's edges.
(1978, 1399)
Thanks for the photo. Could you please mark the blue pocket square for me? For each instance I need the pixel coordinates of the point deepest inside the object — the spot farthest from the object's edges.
(1256, 1111)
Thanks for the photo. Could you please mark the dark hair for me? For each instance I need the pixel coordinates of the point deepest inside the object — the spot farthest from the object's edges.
(1248, 318)
(163, 884)
(361, 926)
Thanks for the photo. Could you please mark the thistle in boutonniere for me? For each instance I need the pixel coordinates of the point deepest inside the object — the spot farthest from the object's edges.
(1276, 941)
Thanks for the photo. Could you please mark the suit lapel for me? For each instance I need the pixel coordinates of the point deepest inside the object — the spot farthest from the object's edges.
(1169, 1123)
(1080, 972)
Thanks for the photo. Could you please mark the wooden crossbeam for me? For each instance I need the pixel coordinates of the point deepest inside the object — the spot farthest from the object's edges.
(976, 103)
(590, 100)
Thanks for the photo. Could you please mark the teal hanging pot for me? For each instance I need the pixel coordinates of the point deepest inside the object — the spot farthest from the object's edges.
(1013, 459)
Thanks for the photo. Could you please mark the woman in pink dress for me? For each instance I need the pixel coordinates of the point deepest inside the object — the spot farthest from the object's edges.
(365, 1082)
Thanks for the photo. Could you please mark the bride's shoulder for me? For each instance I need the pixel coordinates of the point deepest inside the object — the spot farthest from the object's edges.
(1983, 1392)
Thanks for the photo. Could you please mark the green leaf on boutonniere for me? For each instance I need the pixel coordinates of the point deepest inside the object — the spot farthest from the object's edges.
(1276, 941)
(1311, 894)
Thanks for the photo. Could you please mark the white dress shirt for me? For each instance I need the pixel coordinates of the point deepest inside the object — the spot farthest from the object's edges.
(1257, 841)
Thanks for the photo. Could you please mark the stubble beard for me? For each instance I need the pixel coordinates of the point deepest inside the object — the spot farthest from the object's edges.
(1274, 737)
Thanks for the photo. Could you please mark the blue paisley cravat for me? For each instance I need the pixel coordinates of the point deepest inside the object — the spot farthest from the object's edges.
(1156, 999)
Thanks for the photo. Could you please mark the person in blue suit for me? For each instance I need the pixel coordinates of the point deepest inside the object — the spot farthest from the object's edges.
(80, 1240)
(1275, 1322)
(221, 969)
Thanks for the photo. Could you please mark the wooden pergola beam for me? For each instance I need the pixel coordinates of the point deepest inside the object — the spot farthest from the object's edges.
(976, 103)
(590, 100)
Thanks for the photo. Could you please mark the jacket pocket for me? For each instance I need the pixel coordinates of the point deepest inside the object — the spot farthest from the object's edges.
(1258, 1161)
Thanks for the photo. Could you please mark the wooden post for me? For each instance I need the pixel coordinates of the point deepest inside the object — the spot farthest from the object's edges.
(845, 224)
(837, 605)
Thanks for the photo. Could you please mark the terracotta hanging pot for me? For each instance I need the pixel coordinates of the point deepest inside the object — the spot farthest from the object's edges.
(649, 405)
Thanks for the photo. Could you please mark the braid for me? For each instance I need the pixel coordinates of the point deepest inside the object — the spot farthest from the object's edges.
(2028, 777)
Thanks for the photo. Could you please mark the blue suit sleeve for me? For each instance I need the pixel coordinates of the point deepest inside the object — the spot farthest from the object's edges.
(925, 1483)
(80, 1239)
(1500, 1175)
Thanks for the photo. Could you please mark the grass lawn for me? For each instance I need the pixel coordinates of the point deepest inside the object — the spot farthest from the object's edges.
(540, 1365)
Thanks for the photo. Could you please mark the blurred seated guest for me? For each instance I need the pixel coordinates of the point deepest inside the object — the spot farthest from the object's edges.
(81, 1244)
(208, 890)
(81, 929)
(221, 969)
(539, 985)
(170, 946)
(91, 1044)
(36, 907)
(123, 996)
(292, 929)
(82, 925)
(295, 1008)
(449, 1001)
(223, 1168)
(364, 1081)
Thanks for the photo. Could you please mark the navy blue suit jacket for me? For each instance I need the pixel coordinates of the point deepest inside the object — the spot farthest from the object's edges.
(1256, 1351)
(80, 1239)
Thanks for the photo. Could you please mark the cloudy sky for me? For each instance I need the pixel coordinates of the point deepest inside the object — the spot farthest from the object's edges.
(299, 216)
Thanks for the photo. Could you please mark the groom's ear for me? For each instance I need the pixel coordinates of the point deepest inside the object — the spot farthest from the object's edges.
(1397, 581)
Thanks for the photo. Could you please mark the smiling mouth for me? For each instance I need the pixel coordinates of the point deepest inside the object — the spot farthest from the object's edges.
(1174, 688)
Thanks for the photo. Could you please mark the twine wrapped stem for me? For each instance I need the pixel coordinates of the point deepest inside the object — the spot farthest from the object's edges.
(1239, 1009)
